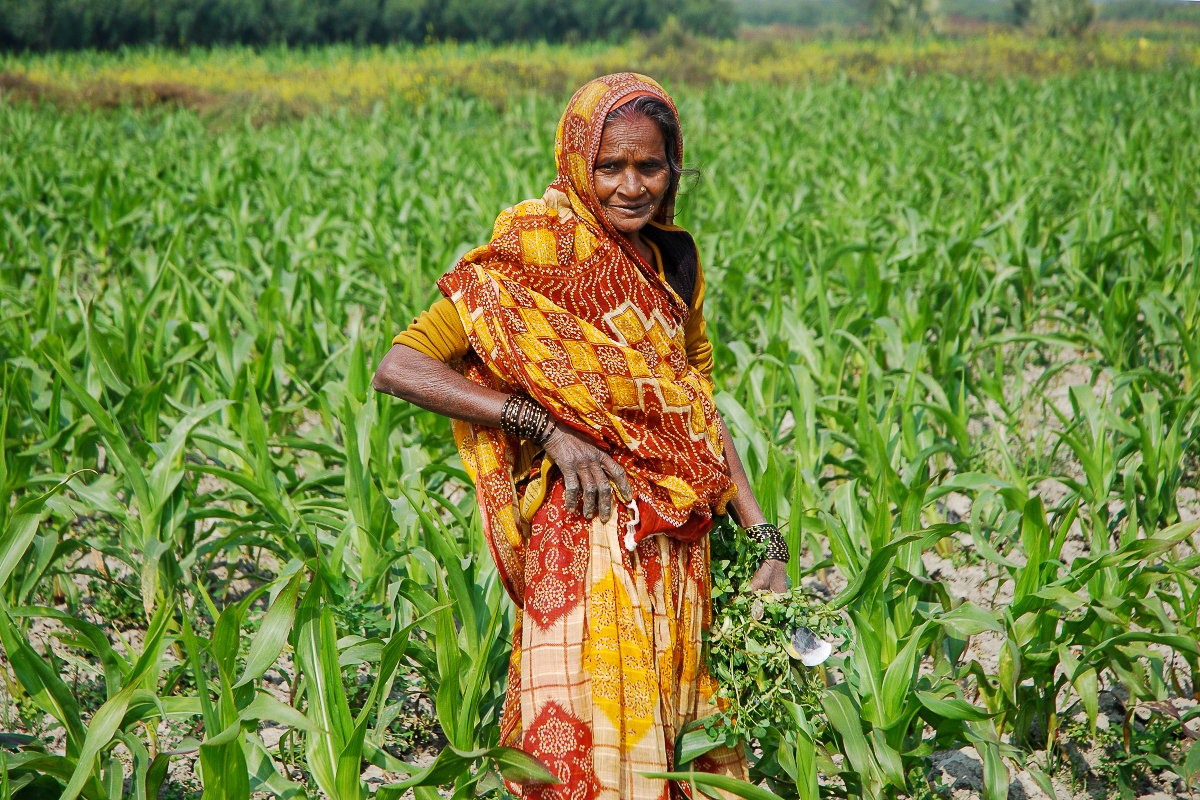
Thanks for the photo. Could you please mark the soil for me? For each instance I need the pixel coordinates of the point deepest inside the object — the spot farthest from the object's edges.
(1082, 767)
(1078, 771)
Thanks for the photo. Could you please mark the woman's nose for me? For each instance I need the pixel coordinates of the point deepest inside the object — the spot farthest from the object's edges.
(631, 183)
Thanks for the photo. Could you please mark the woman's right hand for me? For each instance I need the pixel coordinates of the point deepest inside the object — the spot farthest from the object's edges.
(770, 576)
(588, 473)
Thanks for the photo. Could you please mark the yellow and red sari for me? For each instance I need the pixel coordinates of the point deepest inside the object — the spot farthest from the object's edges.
(607, 664)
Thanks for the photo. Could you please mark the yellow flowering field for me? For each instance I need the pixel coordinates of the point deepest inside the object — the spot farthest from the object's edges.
(297, 82)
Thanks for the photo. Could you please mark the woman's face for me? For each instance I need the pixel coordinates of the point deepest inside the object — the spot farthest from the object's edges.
(631, 174)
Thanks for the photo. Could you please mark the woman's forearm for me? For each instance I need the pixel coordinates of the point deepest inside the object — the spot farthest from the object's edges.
(424, 381)
(587, 472)
(772, 572)
(743, 506)
(413, 376)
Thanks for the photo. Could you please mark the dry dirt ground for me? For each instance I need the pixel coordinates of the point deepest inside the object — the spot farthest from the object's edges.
(955, 775)
(1084, 768)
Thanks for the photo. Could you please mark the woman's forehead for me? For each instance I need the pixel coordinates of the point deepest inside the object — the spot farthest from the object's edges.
(584, 119)
(636, 133)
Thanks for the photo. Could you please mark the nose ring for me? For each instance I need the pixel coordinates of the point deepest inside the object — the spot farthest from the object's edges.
(643, 190)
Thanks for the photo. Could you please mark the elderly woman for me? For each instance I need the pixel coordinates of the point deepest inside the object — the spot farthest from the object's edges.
(571, 353)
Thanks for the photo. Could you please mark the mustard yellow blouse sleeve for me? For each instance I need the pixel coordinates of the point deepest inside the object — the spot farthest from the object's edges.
(438, 333)
(699, 348)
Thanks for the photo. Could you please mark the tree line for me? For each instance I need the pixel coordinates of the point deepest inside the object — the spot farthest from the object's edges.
(109, 24)
(1048, 17)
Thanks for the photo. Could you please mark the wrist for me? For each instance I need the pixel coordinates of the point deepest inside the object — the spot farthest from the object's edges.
(523, 418)
(551, 429)
(777, 549)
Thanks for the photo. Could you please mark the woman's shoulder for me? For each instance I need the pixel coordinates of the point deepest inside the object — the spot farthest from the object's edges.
(533, 234)
(551, 208)
(529, 223)
(526, 214)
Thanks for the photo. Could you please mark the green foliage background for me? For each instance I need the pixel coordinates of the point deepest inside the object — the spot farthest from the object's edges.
(921, 289)
(108, 24)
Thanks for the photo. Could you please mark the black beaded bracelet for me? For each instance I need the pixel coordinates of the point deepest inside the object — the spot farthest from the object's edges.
(777, 549)
(508, 422)
(522, 418)
(544, 429)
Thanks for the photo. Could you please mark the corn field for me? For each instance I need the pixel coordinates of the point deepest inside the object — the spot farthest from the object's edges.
(957, 337)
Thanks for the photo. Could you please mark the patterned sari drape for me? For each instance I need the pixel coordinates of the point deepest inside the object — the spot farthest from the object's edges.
(561, 307)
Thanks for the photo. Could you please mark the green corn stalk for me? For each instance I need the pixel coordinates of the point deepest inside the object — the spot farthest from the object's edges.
(159, 492)
(886, 322)
(233, 760)
(88, 768)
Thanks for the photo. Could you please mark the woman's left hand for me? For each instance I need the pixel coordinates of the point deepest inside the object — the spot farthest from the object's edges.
(771, 575)
(588, 474)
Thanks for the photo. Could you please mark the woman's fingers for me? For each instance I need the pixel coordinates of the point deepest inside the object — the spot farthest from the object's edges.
(587, 489)
(617, 475)
(591, 489)
(570, 490)
(604, 494)
(579, 486)
(779, 580)
(588, 473)
(770, 575)
(759, 581)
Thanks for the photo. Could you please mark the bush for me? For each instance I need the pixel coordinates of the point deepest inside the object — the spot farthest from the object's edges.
(904, 17)
(1055, 17)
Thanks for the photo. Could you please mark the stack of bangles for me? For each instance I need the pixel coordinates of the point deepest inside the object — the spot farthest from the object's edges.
(522, 418)
(777, 549)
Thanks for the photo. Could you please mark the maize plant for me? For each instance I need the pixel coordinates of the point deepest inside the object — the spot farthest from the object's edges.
(954, 318)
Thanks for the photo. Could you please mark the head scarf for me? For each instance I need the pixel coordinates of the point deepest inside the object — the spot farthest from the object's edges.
(560, 306)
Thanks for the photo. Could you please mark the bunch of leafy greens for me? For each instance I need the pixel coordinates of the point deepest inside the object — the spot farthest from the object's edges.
(746, 644)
